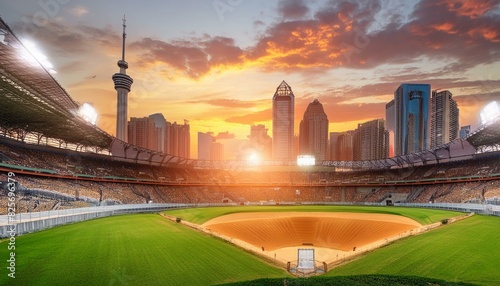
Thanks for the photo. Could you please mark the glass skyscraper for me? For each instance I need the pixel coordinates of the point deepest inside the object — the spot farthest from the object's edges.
(283, 123)
(412, 120)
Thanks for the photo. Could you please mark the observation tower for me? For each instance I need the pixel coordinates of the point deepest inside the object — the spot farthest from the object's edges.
(123, 82)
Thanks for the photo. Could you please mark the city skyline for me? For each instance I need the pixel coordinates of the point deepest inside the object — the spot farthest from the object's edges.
(217, 65)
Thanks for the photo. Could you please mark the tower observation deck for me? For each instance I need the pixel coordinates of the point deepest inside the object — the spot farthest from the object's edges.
(122, 82)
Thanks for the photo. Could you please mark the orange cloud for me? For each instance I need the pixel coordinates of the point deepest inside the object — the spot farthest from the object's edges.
(446, 27)
(472, 9)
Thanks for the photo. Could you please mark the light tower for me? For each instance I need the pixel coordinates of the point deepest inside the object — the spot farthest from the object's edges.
(123, 82)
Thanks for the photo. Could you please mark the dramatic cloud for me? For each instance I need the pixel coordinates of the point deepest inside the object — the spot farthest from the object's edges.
(194, 58)
(456, 34)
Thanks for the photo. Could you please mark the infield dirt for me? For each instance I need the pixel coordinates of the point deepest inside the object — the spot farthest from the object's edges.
(334, 236)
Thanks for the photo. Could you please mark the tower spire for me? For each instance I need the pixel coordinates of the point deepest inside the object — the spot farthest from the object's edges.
(123, 38)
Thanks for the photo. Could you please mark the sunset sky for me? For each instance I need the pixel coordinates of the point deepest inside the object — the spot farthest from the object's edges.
(217, 63)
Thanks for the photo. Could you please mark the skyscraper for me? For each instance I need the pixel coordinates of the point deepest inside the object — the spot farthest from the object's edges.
(371, 141)
(390, 114)
(283, 123)
(122, 82)
(412, 118)
(444, 118)
(313, 132)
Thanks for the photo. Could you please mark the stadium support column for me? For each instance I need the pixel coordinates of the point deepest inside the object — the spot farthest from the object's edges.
(123, 82)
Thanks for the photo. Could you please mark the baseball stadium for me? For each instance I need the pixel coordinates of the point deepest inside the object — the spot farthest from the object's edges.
(81, 207)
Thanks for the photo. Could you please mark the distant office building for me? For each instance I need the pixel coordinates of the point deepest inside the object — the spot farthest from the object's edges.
(205, 141)
(313, 132)
(412, 118)
(371, 141)
(390, 115)
(260, 141)
(160, 123)
(141, 132)
(283, 123)
(464, 131)
(217, 151)
(183, 139)
(341, 146)
(332, 145)
(444, 118)
(208, 148)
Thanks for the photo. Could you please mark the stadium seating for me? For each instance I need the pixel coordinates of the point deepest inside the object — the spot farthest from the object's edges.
(53, 178)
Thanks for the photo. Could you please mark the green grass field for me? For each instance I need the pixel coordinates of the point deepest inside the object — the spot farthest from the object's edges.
(129, 250)
(147, 249)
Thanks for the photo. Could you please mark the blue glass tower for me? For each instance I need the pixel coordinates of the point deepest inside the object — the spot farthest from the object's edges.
(412, 120)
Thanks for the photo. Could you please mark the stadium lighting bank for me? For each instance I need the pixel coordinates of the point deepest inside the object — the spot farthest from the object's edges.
(88, 113)
(306, 160)
(34, 55)
(490, 113)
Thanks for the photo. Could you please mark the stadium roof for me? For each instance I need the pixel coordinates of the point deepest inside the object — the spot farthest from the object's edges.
(486, 135)
(33, 101)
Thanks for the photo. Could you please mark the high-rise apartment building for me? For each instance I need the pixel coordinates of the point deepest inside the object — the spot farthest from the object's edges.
(141, 132)
(371, 141)
(283, 123)
(182, 134)
(313, 132)
(412, 118)
(155, 133)
(341, 146)
(444, 118)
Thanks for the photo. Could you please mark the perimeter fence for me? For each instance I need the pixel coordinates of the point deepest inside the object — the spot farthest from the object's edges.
(31, 222)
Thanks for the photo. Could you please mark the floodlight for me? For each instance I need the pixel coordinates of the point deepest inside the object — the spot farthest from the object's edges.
(34, 56)
(306, 160)
(489, 113)
(88, 113)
